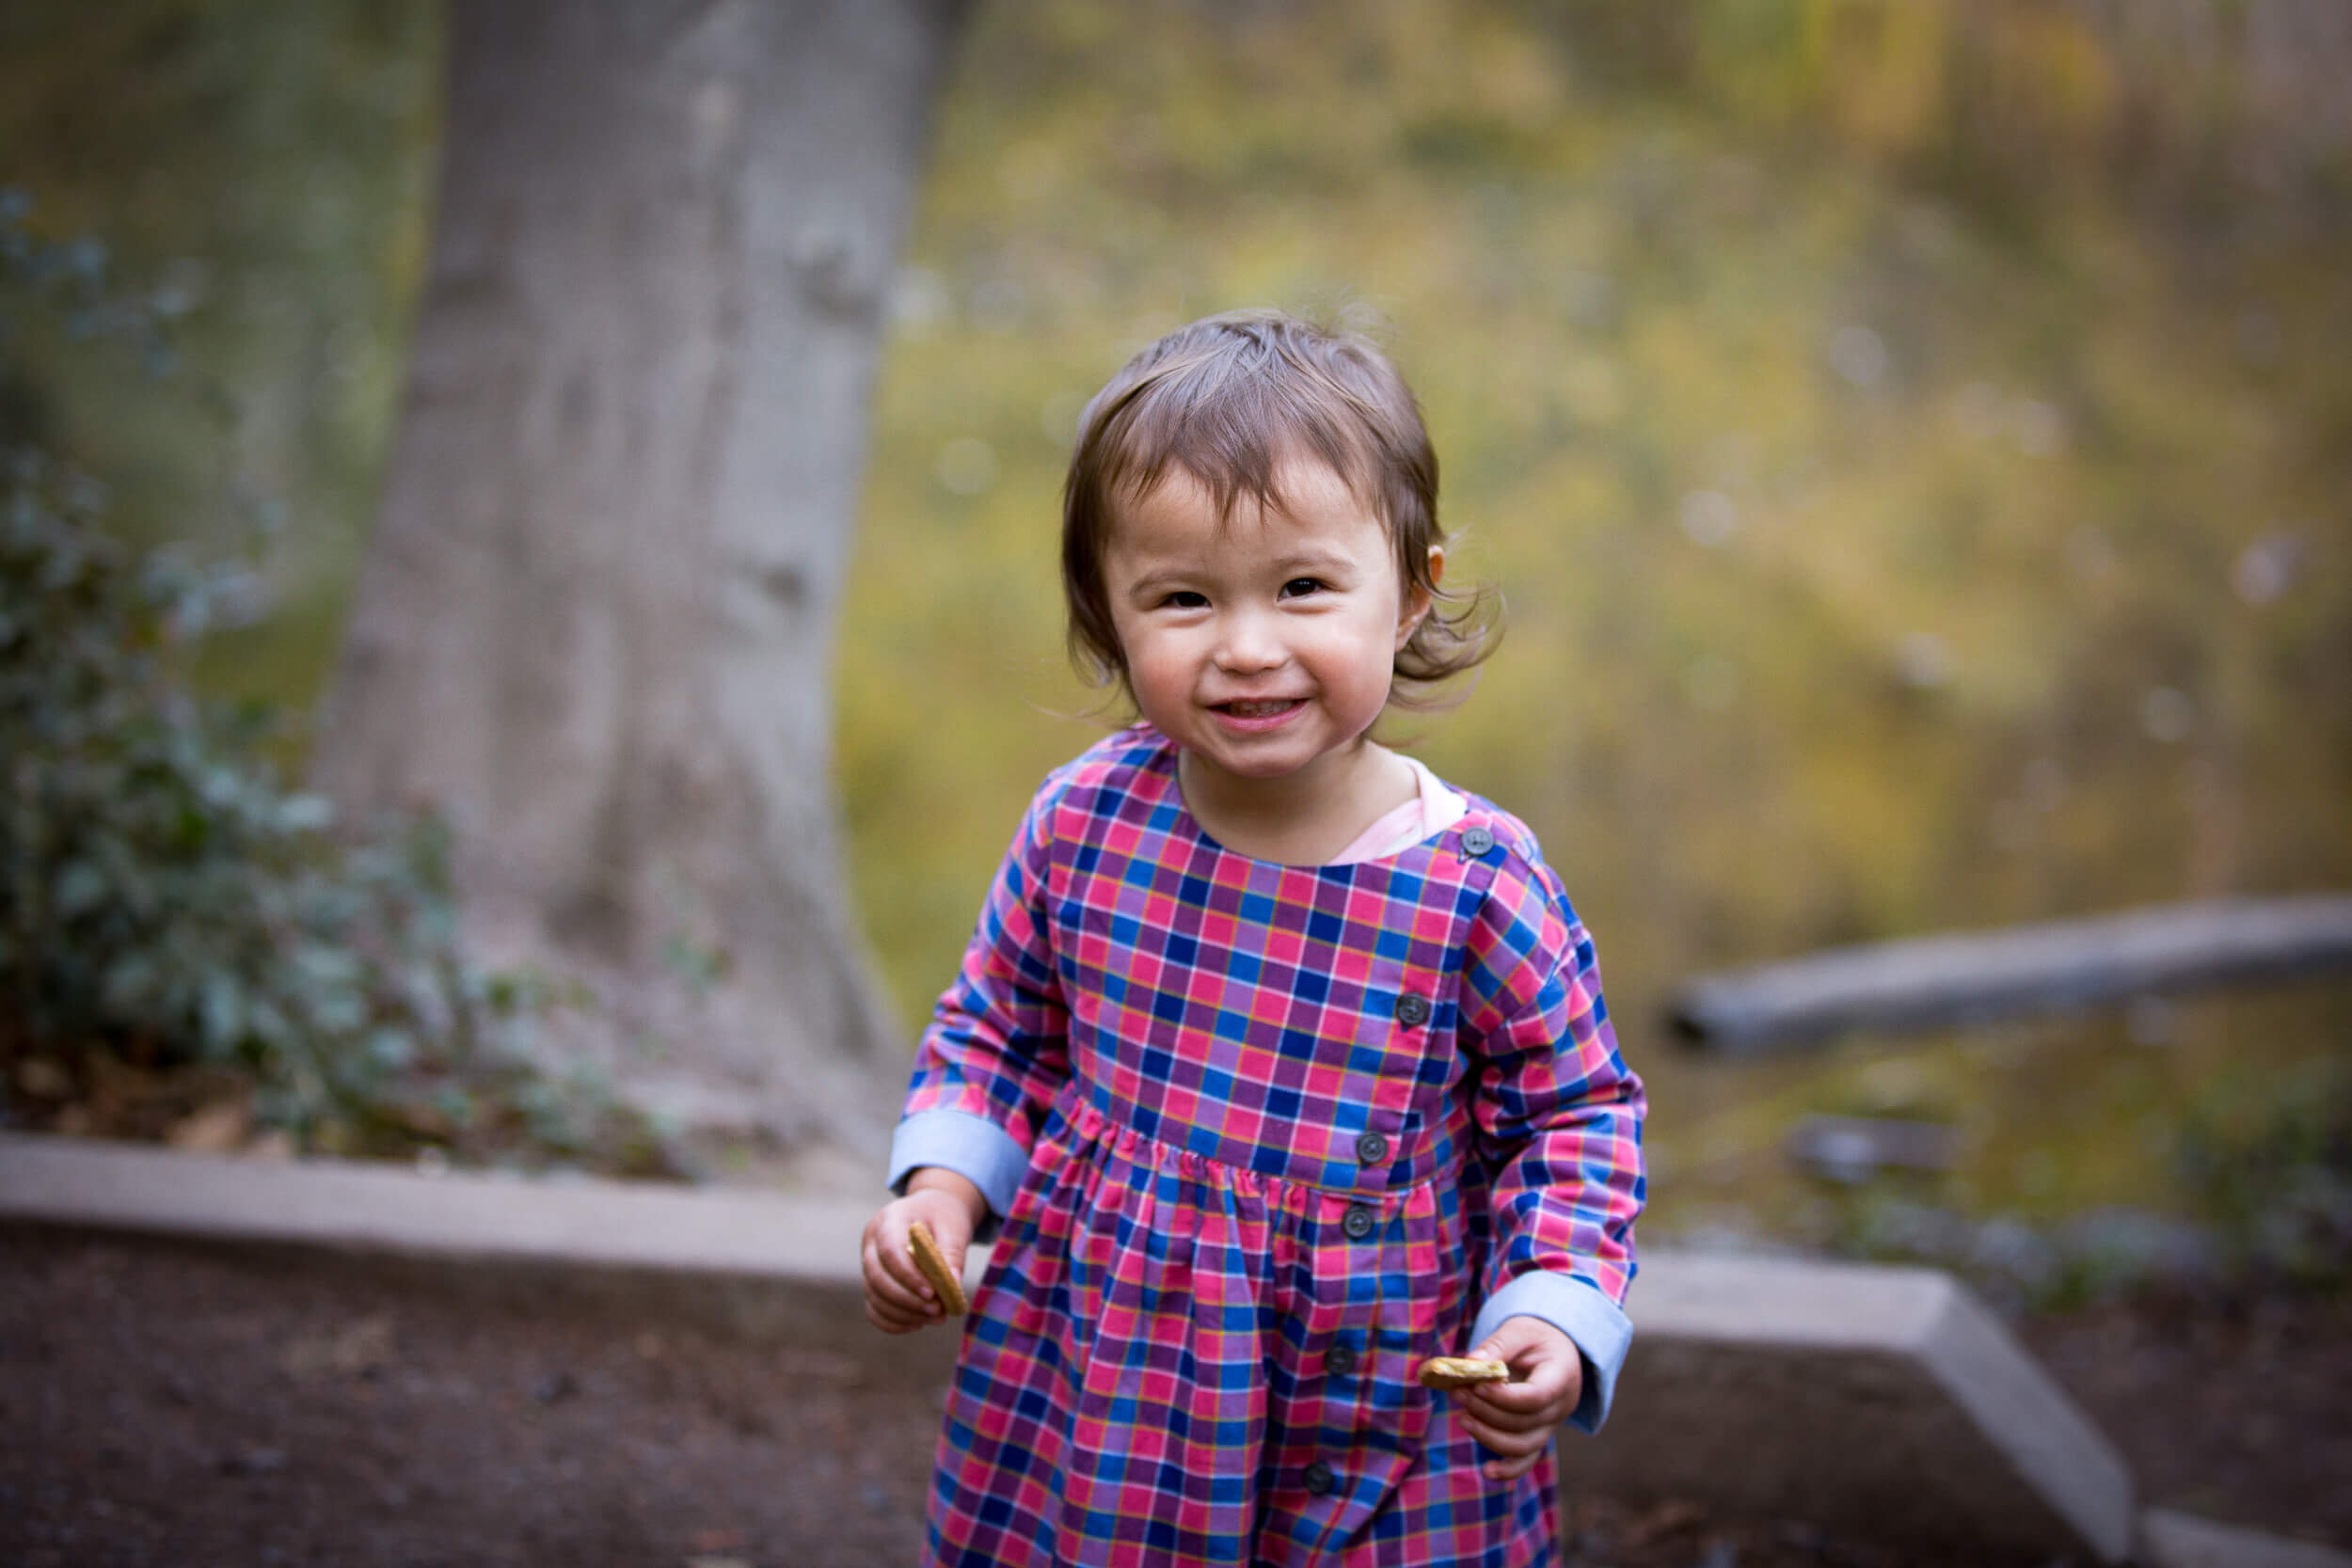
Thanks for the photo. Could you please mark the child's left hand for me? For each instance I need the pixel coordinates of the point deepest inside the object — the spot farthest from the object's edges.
(1517, 1418)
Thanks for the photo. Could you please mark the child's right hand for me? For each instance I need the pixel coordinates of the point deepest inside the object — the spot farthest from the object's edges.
(897, 1298)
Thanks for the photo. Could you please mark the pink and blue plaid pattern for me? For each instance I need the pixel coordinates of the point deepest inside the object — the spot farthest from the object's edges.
(1262, 1137)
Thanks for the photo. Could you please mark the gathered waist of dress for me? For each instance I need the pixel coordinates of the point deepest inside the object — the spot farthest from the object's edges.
(1293, 1185)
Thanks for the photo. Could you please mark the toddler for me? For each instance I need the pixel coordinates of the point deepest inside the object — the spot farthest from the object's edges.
(1274, 1066)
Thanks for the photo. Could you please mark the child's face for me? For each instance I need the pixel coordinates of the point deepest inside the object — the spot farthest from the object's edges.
(1264, 641)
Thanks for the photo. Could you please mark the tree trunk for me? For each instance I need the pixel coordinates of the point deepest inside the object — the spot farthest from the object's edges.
(594, 624)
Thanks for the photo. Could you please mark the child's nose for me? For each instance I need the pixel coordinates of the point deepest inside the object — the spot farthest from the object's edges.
(1251, 642)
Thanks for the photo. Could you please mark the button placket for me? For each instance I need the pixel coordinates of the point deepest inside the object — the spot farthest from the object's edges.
(1338, 1361)
(1320, 1477)
(1359, 1221)
(1370, 1149)
(1412, 1009)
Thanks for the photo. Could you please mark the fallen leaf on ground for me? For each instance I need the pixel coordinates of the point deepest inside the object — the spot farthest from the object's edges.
(1668, 1518)
(213, 1129)
(43, 1079)
(273, 1144)
(359, 1347)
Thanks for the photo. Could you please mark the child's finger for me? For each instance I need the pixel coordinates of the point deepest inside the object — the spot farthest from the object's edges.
(1510, 1396)
(885, 1281)
(1509, 1443)
(952, 1243)
(891, 1320)
(894, 1311)
(897, 1311)
(1545, 1376)
(899, 1257)
(1544, 1389)
(1503, 1418)
(1511, 1469)
(1510, 1452)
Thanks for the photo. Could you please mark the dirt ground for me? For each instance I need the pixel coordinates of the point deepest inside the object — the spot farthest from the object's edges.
(2237, 1409)
(161, 1404)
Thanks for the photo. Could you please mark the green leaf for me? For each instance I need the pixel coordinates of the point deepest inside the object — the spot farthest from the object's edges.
(129, 981)
(340, 1011)
(305, 813)
(392, 1049)
(268, 1024)
(323, 965)
(79, 889)
(223, 1011)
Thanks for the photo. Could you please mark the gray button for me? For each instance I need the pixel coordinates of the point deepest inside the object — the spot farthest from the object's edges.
(1359, 1221)
(1476, 841)
(1319, 1478)
(1338, 1361)
(1370, 1149)
(1412, 1011)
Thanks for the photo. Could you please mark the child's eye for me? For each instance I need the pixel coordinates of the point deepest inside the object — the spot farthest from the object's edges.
(1185, 599)
(1298, 586)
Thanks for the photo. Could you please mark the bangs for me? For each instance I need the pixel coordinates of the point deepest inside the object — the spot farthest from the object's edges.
(1232, 421)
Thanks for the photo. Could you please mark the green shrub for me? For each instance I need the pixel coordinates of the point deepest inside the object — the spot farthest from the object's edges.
(2269, 1156)
(168, 900)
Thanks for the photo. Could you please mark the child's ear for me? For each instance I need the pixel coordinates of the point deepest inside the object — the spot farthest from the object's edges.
(1415, 609)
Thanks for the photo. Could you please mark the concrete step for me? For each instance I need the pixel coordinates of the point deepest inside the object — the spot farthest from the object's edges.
(1889, 1399)
(2171, 1539)
(1884, 1403)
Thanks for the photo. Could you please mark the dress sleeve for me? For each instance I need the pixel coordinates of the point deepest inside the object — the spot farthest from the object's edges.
(1559, 1127)
(997, 1051)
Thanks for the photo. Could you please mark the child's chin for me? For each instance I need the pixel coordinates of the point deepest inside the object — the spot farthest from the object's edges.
(1257, 769)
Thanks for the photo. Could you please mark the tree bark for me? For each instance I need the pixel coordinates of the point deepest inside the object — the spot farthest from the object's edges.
(594, 629)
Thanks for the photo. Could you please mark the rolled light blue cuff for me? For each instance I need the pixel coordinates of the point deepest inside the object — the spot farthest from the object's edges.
(973, 1147)
(1577, 1309)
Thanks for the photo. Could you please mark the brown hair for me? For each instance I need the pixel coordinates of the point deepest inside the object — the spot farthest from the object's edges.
(1229, 398)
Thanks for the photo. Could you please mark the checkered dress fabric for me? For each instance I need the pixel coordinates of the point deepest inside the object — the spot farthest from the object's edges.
(1286, 1129)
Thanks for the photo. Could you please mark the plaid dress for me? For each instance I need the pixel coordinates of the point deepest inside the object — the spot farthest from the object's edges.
(1262, 1137)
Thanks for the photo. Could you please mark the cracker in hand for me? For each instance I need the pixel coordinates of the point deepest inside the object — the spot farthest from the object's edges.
(933, 1263)
(1460, 1371)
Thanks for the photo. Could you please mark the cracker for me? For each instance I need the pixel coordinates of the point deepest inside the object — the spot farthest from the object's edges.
(1460, 1371)
(933, 1263)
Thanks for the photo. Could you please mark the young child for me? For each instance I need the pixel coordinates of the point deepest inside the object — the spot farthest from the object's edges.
(1274, 1066)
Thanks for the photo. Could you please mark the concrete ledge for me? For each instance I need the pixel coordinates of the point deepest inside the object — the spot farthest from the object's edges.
(1887, 1403)
(729, 1261)
(1888, 1398)
(389, 1209)
(2170, 1540)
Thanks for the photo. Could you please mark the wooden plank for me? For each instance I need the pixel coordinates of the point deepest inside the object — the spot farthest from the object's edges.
(1973, 977)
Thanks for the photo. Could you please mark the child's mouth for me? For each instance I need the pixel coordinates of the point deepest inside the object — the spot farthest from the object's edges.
(1258, 716)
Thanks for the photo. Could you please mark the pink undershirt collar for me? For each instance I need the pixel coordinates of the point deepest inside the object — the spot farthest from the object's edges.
(1433, 809)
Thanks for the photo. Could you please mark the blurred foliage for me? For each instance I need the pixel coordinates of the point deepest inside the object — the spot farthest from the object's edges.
(1913, 440)
(269, 166)
(2270, 1157)
(2262, 1159)
(167, 902)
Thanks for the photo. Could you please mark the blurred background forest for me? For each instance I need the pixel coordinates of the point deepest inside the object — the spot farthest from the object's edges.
(1914, 442)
